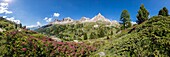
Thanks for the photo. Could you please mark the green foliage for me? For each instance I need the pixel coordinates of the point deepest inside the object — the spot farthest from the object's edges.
(85, 36)
(18, 42)
(8, 25)
(142, 14)
(163, 12)
(150, 38)
(79, 31)
(125, 18)
(26, 43)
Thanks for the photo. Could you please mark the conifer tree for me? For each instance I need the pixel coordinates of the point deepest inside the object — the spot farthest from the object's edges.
(142, 15)
(125, 18)
(163, 12)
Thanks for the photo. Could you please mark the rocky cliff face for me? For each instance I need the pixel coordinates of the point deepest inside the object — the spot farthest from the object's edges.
(64, 21)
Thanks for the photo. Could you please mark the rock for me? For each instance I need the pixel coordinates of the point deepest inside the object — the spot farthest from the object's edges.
(96, 26)
(19, 30)
(76, 41)
(101, 54)
(84, 19)
(1, 30)
(56, 39)
(67, 19)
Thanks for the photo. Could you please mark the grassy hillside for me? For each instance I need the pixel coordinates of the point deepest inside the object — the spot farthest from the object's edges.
(79, 31)
(7, 25)
(18, 42)
(151, 38)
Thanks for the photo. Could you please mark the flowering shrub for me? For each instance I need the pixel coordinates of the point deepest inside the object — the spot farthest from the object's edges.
(25, 43)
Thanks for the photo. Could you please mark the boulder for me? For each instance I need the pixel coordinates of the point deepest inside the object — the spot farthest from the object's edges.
(101, 54)
(1, 30)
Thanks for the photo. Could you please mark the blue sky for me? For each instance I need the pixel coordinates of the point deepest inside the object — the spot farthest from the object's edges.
(29, 12)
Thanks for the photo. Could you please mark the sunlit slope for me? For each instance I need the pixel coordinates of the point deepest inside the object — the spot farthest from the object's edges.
(79, 31)
(151, 38)
(20, 42)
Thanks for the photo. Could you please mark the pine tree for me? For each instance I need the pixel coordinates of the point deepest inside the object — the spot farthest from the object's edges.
(142, 15)
(163, 12)
(125, 18)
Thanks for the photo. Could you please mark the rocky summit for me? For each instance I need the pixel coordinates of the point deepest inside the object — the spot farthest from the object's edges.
(69, 20)
(99, 17)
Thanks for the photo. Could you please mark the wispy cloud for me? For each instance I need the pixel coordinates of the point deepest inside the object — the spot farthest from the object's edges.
(12, 19)
(37, 25)
(49, 19)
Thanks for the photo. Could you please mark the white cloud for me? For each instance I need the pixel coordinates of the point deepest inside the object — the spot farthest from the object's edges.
(133, 23)
(12, 19)
(4, 8)
(4, 4)
(7, 1)
(31, 26)
(37, 25)
(56, 14)
(4, 16)
(47, 19)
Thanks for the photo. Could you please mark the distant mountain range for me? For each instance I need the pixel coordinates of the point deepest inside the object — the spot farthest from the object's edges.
(69, 29)
(98, 17)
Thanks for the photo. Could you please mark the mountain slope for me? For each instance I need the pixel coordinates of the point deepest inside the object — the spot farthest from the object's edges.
(151, 38)
(79, 31)
(7, 25)
(83, 29)
(19, 42)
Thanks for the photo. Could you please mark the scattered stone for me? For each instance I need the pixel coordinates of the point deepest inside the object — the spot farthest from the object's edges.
(19, 30)
(56, 39)
(76, 41)
(119, 32)
(101, 54)
(96, 26)
(1, 30)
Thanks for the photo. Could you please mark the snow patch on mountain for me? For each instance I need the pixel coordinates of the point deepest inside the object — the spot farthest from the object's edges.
(96, 18)
(100, 17)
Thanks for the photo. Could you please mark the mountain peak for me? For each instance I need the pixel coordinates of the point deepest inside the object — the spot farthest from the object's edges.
(99, 14)
(99, 17)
